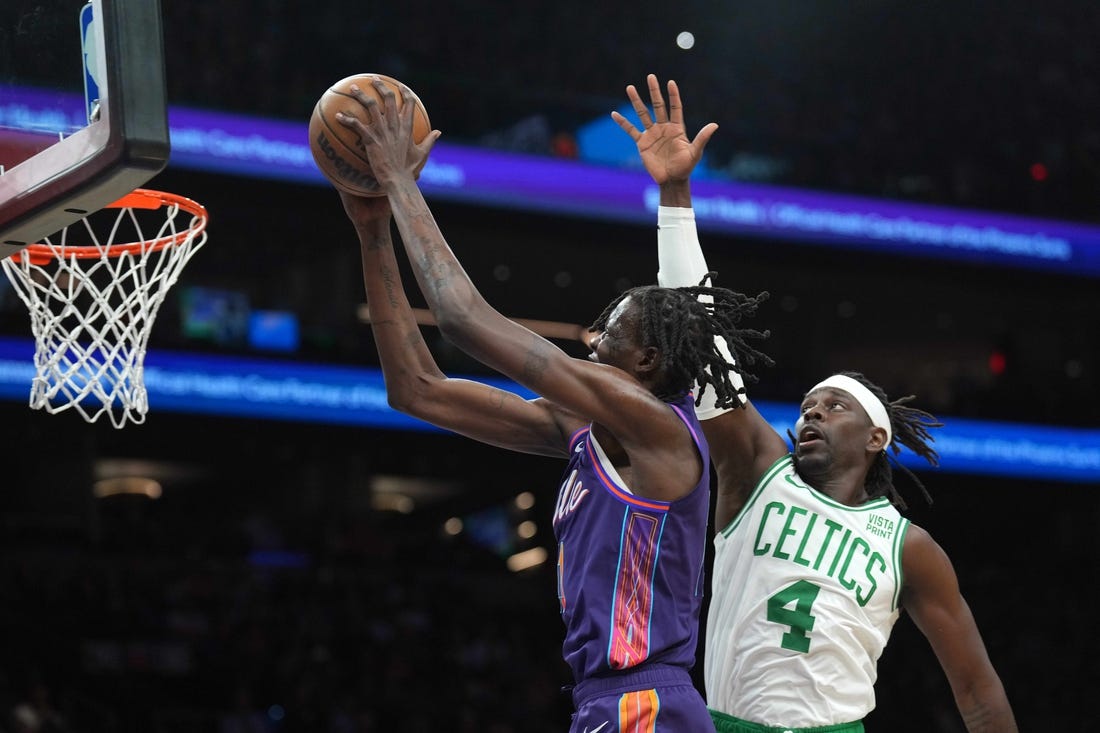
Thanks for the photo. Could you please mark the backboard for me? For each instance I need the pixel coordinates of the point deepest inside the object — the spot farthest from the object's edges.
(83, 113)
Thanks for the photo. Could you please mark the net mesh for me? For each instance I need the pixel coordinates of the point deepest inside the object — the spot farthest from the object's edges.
(93, 291)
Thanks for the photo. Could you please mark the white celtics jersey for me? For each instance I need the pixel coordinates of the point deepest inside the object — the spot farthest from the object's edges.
(805, 593)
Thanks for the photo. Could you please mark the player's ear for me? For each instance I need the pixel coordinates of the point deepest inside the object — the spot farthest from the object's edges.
(649, 361)
(876, 442)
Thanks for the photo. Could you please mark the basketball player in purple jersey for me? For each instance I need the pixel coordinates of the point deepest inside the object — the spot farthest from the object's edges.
(631, 514)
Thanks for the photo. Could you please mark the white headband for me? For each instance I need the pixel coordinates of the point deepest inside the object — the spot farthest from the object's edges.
(871, 404)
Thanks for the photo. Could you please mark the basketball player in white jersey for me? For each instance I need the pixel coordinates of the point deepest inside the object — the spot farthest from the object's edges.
(813, 562)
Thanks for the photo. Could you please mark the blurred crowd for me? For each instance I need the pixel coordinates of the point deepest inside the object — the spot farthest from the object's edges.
(268, 620)
(986, 106)
(364, 629)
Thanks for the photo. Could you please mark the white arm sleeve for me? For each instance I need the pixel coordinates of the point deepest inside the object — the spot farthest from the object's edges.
(680, 263)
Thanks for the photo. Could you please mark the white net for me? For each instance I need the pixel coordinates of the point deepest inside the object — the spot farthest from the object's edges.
(93, 291)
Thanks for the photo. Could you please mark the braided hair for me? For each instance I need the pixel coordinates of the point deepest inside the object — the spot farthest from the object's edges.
(910, 427)
(682, 324)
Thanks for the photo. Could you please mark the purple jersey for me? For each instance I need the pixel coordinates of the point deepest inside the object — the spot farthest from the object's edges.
(630, 569)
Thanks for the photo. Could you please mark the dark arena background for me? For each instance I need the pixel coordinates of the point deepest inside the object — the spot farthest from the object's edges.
(917, 185)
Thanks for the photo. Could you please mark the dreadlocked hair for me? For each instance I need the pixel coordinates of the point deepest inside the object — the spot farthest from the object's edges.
(911, 429)
(682, 324)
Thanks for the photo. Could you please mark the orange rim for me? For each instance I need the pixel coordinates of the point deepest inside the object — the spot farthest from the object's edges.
(140, 198)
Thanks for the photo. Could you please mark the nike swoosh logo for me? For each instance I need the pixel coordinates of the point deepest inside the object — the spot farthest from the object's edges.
(598, 728)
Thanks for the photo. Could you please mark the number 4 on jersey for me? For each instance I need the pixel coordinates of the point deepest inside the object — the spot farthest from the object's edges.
(802, 596)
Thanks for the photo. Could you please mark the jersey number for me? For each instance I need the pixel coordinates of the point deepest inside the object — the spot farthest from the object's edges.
(802, 595)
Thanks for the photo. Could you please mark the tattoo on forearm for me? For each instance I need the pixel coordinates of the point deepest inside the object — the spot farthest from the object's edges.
(388, 278)
(420, 216)
(437, 274)
(379, 242)
(535, 362)
(434, 261)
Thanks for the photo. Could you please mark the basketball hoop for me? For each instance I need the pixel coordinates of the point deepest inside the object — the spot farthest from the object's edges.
(93, 291)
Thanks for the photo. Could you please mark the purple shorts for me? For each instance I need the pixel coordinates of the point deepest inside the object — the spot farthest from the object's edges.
(656, 699)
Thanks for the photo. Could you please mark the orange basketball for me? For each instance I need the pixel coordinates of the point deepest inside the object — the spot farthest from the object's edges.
(338, 150)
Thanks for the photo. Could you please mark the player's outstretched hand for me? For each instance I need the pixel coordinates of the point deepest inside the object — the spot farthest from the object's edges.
(666, 152)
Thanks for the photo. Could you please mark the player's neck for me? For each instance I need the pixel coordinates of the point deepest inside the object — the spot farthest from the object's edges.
(846, 488)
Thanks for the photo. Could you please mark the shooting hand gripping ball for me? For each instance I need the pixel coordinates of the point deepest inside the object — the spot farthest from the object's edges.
(338, 149)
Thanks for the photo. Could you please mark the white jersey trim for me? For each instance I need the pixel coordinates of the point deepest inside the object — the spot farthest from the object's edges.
(605, 462)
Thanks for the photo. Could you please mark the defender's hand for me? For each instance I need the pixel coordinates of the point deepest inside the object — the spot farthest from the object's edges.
(666, 152)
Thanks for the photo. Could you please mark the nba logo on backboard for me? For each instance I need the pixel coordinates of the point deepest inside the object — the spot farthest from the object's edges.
(90, 55)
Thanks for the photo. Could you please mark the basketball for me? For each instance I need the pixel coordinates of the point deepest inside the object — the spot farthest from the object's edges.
(338, 150)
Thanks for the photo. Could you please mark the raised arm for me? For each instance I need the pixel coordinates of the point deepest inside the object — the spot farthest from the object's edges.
(414, 383)
(931, 596)
(604, 394)
(742, 444)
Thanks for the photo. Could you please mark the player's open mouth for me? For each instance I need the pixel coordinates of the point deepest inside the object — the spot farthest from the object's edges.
(808, 436)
